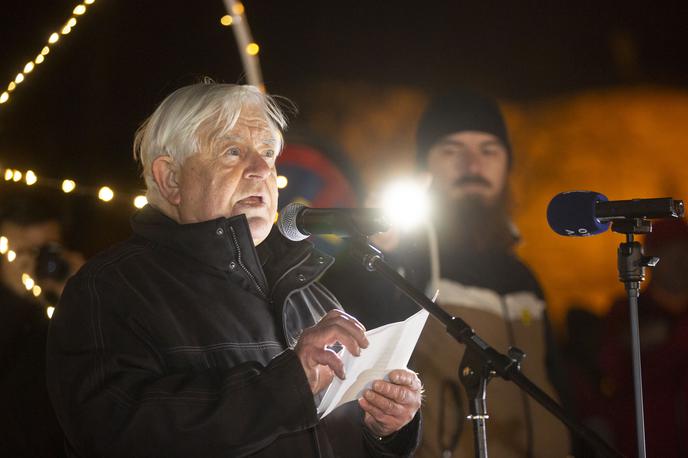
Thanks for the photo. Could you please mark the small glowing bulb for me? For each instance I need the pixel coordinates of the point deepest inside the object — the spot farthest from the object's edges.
(29, 284)
(68, 186)
(53, 38)
(45, 50)
(106, 194)
(39, 59)
(282, 182)
(36, 290)
(28, 68)
(79, 10)
(89, 2)
(16, 176)
(30, 177)
(252, 49)
(19, 78)
(11, 86)
(50, 310)
(226, 20)
(4, 97)
(4, 243)
(9, 173)
(71, 22)
(140, 201)
(66, 29)
(11, 255)
(238, 8)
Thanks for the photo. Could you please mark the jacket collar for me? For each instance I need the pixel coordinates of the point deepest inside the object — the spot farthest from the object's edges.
(225, 242)
(278, 254)
(205, 242)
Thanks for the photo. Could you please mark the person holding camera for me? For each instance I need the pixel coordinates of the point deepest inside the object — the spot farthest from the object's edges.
(34, 232)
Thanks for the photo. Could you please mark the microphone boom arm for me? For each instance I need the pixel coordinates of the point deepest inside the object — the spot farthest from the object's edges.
(507, 367)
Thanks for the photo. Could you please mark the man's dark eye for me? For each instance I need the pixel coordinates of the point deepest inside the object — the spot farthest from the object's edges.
(491, 151)
(233, 152)
(269, 153)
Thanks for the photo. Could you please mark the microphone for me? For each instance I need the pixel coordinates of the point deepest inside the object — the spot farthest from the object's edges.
(297, 222)
(584, 213)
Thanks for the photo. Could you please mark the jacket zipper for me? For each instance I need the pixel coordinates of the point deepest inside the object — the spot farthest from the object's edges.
(241, 263)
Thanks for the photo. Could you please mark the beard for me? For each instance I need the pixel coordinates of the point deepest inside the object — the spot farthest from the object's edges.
(472, 224)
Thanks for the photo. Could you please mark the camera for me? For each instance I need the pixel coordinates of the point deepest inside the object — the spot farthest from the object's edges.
(50, 263)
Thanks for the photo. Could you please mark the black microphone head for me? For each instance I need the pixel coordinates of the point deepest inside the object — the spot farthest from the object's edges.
(286, 223)
(573, 214)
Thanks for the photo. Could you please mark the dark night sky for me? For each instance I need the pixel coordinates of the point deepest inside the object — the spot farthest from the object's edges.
(76, 114)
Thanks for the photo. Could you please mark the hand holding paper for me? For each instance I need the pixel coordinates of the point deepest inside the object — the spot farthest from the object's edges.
(389, 348)
(320, 363)
(391, 405)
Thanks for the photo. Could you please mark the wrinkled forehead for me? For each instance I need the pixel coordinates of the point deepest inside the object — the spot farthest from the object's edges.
(256, 125)
(251, 124)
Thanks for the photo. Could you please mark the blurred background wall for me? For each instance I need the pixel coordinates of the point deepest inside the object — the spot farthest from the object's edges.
(625, 142)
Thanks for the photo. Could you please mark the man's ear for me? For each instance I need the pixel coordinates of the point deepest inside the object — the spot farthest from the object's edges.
(165, 173)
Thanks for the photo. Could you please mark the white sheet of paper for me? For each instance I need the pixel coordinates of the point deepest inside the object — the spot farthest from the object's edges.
(390, 347)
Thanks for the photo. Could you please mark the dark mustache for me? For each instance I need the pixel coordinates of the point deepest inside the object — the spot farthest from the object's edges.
(472, 179)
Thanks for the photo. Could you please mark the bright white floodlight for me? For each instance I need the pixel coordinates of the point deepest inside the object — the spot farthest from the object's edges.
(406, 204)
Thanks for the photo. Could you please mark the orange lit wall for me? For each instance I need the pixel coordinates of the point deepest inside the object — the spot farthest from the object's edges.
(624, 143)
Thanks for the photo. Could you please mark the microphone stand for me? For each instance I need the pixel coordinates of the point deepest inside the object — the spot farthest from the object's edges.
(631, 264)
(480, 361)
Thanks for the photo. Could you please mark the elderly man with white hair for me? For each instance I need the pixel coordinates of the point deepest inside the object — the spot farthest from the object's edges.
(206, 333)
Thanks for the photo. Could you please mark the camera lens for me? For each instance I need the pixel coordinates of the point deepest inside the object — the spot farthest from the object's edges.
(50, 264)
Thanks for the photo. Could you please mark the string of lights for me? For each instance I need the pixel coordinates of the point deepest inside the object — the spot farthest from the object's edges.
(69, 186)
(248, 49)
(54, 37)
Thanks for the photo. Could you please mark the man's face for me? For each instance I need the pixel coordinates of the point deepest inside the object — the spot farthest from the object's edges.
(26, 242)
(232, 175)
(469, 163)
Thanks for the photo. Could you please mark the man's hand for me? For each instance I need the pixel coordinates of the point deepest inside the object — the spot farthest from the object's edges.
(389, 406)
(320, 362)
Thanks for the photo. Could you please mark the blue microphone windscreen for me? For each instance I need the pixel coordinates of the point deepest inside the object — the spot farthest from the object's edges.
(573, 214)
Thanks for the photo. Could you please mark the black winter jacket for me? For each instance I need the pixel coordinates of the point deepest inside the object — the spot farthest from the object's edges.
(177, 342)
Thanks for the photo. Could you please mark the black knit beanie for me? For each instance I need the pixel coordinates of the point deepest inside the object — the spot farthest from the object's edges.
(459, 111)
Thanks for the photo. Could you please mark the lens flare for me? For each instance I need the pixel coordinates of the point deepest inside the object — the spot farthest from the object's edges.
(406, 204)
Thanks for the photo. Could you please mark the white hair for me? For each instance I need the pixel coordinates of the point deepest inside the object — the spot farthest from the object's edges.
(173, 129)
